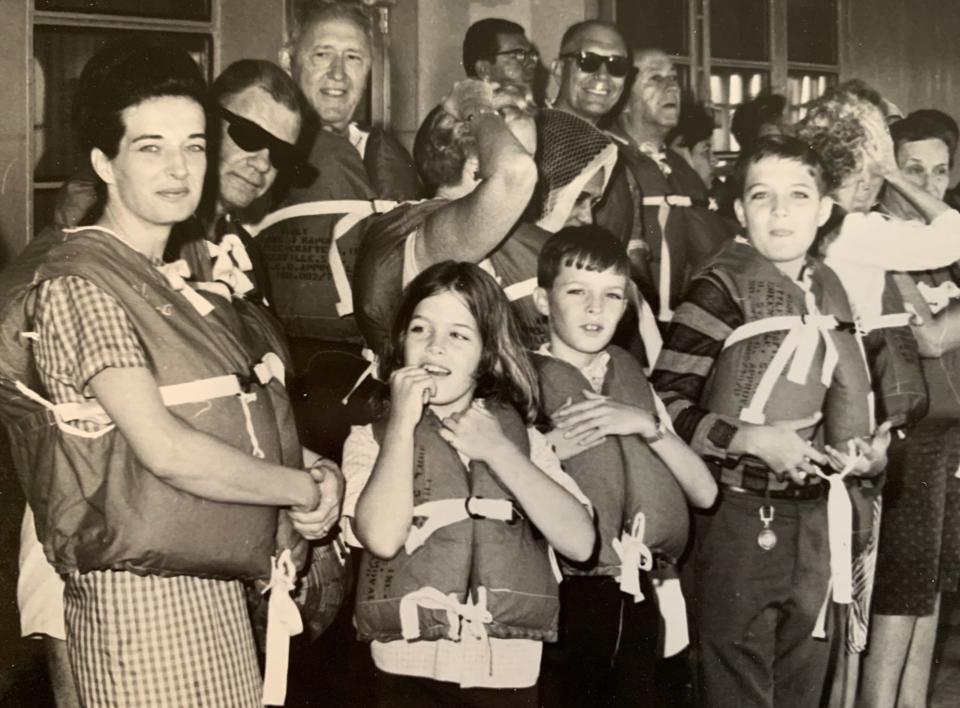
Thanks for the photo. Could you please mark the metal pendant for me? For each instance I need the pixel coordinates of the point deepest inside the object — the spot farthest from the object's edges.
(767, 538)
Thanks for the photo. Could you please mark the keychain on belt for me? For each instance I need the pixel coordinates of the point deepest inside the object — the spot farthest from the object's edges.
(767, 538)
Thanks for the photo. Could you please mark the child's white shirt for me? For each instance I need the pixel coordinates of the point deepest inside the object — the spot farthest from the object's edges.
(470, 663)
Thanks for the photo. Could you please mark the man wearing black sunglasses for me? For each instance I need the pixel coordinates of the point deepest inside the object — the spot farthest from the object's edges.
(679, 231)
(591, 70)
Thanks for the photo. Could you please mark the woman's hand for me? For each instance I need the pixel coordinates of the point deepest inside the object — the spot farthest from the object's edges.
(410, 390)
(314, 524)
(475, 432)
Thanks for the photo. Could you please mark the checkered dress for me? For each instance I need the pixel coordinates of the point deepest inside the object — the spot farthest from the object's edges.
(137, 640)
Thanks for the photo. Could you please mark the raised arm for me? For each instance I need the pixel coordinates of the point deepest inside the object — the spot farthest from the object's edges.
(470, 227)
(881, 159)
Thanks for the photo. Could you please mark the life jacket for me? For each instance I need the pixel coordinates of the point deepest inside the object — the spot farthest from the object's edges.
(96, 506)
(679, 227)
(471, 562)
(942, 374)
(378, 272)
(894, 360)
(309, 243)
(622, 476)
(797, 354)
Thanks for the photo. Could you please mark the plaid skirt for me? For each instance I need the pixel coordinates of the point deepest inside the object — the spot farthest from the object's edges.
(156, 641)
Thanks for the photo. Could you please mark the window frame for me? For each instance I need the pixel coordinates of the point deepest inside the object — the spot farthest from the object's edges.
(701, 62)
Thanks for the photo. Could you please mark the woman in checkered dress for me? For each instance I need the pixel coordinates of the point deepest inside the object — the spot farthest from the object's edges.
(159, 636)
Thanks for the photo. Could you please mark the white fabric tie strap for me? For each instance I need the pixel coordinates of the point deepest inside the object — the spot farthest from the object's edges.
(283, 622)
(230, 260)
(634, 556)
(664, 202)
(475, 615)
(371, 370)
(840, 529)
(444, 512)
(805, 332)
(353, 210)
(899, 319)
(520, 290)
(176, 274)
(270, 367)
(938, 297)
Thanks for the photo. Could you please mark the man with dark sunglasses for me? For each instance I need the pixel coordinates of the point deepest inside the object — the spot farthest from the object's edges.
(677, 231)
(591, 70)
(498, 50)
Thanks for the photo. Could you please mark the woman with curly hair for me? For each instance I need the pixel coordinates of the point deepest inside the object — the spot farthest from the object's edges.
(847, 127)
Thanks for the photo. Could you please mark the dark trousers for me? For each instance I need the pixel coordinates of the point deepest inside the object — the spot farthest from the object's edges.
(608, 646)
(755, 610)
(393, 691)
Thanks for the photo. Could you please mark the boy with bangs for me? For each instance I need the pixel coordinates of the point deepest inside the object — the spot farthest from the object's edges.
(612, 434)
(762, 373)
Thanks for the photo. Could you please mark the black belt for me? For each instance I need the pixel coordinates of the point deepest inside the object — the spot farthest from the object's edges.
(797, 493)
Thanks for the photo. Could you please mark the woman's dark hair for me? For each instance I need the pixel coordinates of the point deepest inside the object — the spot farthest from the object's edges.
(121, 75)
(505, 373)
(124, 75)
(921, 125)
(750, 117)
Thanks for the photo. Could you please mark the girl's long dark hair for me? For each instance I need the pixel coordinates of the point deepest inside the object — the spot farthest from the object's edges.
(505, 373)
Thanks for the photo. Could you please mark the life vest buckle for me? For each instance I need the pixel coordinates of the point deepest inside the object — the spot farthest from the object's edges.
(515, 514)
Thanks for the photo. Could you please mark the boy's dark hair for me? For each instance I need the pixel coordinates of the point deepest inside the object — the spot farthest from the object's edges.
(694, 125)
(482, 41)
(587, 247)
(926, 124)
(749, 117)
(784, 147)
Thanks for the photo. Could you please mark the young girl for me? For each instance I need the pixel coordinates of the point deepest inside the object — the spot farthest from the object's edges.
(456, 500)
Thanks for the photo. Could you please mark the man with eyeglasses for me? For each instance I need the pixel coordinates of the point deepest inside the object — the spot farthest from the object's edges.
(678, 232)
(498, 50)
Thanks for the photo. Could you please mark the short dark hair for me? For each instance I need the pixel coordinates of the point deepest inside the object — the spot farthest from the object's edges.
(243, 74)
(441, 148)
(126, 74)
(307, 13)
(586, 247)
(482, 41)
(694, 125)
(924, 119)
(578, 27)
(784, 147)
(749, 117)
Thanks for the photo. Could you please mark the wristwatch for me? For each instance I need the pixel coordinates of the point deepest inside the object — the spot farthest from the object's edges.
(661, 431)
